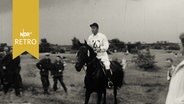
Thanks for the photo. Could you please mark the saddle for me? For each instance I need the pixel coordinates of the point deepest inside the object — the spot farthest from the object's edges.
(113, 65)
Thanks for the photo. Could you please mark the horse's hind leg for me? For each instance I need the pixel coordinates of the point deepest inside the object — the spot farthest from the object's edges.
(87, 96)
(99, 98)
(115, 95)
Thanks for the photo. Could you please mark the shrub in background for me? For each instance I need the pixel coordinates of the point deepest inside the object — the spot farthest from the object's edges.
(145, 60)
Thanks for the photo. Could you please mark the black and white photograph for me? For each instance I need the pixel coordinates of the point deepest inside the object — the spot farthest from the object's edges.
(97, 52)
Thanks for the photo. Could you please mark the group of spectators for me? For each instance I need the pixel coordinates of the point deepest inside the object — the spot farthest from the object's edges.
(45, 66)
(10, 77)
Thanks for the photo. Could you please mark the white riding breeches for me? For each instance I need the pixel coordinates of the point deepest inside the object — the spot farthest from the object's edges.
(105, 59)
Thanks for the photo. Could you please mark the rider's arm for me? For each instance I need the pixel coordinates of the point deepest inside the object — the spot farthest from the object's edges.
(105, 44)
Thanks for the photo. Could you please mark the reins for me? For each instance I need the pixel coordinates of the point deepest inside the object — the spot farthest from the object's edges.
(90, 62)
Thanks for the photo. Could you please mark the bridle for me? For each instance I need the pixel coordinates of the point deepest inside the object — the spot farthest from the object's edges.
(89, 59)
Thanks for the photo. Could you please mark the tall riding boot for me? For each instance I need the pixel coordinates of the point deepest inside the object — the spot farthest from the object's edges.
(109, 77)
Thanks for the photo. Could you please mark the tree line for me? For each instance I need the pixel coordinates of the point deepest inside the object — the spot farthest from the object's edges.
(116, 45)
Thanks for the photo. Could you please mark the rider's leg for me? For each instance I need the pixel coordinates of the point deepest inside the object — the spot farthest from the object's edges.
(108, 72)
(109, 77)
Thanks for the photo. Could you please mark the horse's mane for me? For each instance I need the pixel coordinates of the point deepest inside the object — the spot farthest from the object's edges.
(92, 52)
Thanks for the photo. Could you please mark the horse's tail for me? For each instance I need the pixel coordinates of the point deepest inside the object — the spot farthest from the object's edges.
(118, 73)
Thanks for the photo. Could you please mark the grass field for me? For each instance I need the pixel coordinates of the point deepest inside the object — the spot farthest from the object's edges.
(142, 87)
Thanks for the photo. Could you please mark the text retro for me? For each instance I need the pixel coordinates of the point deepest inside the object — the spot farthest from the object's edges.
(25, 39)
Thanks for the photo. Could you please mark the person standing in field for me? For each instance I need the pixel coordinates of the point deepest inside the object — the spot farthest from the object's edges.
(10, 71)
(124, 63)
(171, 68)
(100, 45)
(44, 65)
(57, 73)
(176, 87)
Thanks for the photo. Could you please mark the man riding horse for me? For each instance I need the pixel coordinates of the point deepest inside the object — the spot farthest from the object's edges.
(99, 69)
(95, 79)
(100, 45)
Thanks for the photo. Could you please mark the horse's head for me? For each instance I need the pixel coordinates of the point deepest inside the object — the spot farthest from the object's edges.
(84, 54)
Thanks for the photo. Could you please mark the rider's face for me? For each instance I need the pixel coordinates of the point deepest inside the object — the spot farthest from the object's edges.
(94, 30)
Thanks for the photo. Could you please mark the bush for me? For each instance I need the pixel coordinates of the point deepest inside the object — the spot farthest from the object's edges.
(173, 47)
(53, 52)
(62, 51)
(145, 60)
(44, 46)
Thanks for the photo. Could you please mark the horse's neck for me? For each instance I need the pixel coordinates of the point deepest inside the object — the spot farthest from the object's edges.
(92, 62)
(93, 65)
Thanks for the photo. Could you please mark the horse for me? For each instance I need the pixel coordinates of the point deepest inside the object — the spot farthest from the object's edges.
(95, 79)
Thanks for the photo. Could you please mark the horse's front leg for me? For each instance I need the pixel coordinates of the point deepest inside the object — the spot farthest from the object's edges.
(115, 95)
(87, 96)
(99, 98)
(104, 100)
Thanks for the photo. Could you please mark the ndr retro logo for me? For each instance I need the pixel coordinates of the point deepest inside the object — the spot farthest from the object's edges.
(25, 38)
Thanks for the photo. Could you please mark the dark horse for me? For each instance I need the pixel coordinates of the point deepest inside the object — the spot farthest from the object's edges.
(95, 79)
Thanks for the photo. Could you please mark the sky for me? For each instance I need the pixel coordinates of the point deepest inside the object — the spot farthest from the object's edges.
(128, 20)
